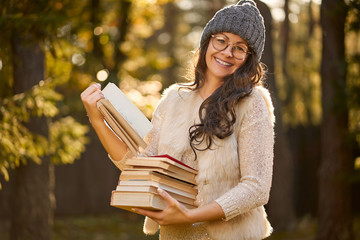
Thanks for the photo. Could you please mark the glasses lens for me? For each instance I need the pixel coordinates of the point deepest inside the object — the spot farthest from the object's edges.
(239, 51)
(220, 43)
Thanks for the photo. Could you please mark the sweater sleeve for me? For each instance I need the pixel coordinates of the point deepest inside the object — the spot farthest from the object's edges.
(255, 148)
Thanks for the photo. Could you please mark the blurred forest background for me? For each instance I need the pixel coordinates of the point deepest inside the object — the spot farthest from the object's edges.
(55, 176)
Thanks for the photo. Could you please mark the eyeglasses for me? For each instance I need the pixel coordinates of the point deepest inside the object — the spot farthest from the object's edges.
(238, 50)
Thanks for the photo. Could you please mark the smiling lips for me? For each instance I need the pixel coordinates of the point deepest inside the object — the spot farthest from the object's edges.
(226, 64)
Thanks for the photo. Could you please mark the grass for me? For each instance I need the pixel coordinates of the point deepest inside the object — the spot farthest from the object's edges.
(119, 226)
(305, 229)
(105, 227)
(128, 226)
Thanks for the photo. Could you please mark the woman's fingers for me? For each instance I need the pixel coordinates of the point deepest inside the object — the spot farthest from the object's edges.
(169, 200)
(173, 213)
(88, 91)
(157, 214)
(94, 97)
(90, 97)
(151, 214)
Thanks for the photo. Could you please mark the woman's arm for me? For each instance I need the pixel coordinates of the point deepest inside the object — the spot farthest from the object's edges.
(112, 144)
(255, 148)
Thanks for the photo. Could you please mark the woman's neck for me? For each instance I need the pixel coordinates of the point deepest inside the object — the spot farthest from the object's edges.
(210, 85)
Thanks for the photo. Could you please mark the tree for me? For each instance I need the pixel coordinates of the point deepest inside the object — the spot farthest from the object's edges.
(281, 203)
(285, 33)
(334, 204)
(33, 194)
(33, 133)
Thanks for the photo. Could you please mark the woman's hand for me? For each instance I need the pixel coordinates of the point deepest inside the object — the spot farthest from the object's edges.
(174, 213)
(90, 97)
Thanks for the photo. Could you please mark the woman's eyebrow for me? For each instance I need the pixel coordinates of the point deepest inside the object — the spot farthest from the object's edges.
(243, 42)
(222, 34)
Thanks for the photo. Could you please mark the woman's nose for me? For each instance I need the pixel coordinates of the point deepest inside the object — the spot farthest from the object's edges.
(228, 51)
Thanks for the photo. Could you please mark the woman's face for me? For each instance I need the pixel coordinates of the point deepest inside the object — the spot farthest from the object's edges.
(222, 63)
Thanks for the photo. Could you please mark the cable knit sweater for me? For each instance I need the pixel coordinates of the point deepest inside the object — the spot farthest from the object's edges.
(236, 172)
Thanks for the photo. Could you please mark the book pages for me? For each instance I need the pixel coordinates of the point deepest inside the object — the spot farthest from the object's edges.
(127, 109)
(142, 176)
(117, 129)
(113, 117)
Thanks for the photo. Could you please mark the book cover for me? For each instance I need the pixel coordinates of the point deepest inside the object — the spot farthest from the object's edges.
(157, 177)
(164, 161)
(153, 189)
(189, 193)
(174, 160)
(174, 174)
(150, 201)
(118, 129)
(163, 164)
(124, 118)
(127, 109)
(128, 200)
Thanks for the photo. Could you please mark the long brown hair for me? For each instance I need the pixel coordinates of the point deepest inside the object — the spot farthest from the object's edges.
(217, 113)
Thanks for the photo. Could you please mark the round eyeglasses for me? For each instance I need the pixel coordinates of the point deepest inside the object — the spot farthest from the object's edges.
(238, 50)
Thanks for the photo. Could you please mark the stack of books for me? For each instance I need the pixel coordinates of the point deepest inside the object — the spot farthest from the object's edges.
(142, 176)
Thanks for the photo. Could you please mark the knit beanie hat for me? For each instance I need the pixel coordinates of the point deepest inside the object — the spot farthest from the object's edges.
(242, 19)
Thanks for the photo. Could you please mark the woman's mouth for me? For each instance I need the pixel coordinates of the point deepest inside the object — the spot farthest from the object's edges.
(226, 64)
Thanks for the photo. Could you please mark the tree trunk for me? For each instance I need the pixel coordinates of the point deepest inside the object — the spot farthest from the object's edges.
(281, 203)
(123, 23)
(285, 38)
(32, 197)
(171, 20)
(95, 19)
(334, 206)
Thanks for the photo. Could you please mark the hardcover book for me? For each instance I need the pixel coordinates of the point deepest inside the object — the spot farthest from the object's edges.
(145, 200)
(153, 189)
(170, 189)
(124, 118)
(164, 164)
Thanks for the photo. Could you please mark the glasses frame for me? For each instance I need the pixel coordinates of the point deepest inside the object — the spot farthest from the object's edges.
(232, 47)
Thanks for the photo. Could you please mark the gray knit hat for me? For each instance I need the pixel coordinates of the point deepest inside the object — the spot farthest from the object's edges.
(242, 19)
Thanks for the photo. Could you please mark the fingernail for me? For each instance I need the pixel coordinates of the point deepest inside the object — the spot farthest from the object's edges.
(98, 84)
(160, 190)
(133, 209)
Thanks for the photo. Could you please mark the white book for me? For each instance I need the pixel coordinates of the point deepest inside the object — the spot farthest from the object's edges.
(124, 118)
(127, 109)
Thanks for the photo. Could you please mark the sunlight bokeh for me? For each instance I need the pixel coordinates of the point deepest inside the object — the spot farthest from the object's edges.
(102, 75)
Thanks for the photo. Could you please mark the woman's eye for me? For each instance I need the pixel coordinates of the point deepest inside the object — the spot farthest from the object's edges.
(221, 41)
(240, 48)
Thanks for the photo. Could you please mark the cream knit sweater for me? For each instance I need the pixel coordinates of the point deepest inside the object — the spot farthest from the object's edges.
(236, 172)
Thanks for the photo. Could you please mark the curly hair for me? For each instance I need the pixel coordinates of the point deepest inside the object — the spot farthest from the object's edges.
(217, 113)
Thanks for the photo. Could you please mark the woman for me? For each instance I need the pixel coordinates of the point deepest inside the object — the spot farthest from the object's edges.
(221, 124)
